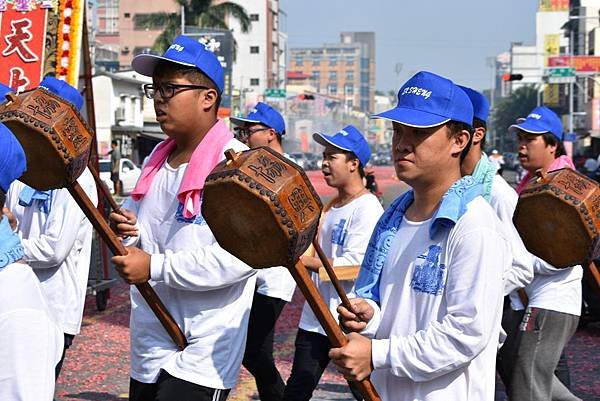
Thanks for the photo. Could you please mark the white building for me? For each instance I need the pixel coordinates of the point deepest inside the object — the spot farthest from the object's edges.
(261, 53)
(120, 110)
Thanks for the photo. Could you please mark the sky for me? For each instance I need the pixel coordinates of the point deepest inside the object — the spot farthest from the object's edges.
(452, 38)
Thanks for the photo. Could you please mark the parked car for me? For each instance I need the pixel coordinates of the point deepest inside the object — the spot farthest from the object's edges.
(313, 161)
(300, 159)
(128, 175)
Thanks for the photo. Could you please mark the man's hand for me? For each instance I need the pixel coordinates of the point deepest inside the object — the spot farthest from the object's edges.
(12, 220)
(125, 223)
(133, 267)
(353, 360)
(355, 322)
(311, 263)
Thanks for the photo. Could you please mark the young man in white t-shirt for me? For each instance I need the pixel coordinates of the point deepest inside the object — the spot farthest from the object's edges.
(31, 343)
(206, 289)
(430, 288)
(503, 199)
(554, 307)
(264, 126)
(57, 237)
(343, 235)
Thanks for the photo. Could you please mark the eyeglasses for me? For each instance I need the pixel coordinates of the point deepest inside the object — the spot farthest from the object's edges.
(242, 134)
(167, 91)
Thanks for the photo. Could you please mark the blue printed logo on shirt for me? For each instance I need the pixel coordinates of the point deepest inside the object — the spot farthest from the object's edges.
(339, 233)
(429, 276)
(195, 220)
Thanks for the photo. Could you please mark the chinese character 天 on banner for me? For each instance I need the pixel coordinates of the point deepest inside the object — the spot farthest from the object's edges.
(31, 46)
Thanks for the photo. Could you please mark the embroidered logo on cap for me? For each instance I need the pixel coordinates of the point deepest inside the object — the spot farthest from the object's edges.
(344, 133)
(535, 115)
(176, 47)
(413, 90)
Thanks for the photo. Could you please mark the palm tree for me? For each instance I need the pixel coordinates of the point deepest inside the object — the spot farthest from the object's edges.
(202, 13)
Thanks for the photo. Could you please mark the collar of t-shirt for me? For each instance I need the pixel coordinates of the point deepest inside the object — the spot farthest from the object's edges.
(452, 207)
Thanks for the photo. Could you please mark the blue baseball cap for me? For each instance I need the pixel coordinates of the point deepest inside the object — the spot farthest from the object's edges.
(263, 114)
(539, 121)
(349, 139)
(481, 106)
(428, 100)
(184, 51)
(63, 90)
(13, 162)
(4, 89)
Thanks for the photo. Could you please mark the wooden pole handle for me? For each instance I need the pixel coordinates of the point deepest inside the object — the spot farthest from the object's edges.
(328, 322)
(332, 276)
(117, 248)
(103, 189)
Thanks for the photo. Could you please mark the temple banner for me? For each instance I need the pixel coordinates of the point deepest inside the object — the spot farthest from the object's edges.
(40, 37)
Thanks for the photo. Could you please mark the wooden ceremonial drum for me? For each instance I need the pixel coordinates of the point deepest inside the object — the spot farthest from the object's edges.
(57, 142)
(262, 209)
(558, 218)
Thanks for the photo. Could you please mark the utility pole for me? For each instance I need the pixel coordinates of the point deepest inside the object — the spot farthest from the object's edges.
(183, 20)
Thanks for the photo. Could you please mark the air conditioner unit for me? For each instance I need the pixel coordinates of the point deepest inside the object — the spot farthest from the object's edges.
(120, 114)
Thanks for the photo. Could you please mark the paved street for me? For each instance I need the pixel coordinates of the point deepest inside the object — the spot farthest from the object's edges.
(96, 367)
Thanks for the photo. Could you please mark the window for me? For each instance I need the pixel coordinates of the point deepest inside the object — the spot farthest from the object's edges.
(364, 63)
(253, 17)
(332, 89)
(332, 61)
(254, 81)
(349, 89)
(316, 74)
(350, 61)
(316, 59)
(332, 75)
(349, 103)
(127, 15)
(254, 49)
(298, 60)
(350, 75)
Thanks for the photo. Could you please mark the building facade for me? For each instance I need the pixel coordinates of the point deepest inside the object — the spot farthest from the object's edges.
(344, 70)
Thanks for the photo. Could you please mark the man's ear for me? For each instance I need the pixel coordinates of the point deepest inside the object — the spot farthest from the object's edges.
(208, 99)
(478, 135)
(460, 141)
(272, 135)
(354, 164)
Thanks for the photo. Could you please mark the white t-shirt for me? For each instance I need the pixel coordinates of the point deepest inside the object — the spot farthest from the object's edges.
(344, 235)
(504, 201)
(553, 289)
(276, 282)
(31, 344)
(58, 247)
(206, 289)
(436, 333)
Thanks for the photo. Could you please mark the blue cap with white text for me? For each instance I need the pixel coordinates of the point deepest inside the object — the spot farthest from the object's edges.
(539, 121)
(63, 90)
(481, 106)
(13, 162)
(428, 100)
(262, 114)
(184, 51)
(349, 139)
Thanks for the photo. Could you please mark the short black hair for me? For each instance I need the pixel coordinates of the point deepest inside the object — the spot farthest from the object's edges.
(457, 127)
(551, 140)
(479, 123)
(114, 142)
(192, 74)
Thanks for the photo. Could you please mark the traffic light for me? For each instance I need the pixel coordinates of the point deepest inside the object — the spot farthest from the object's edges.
(512, 77)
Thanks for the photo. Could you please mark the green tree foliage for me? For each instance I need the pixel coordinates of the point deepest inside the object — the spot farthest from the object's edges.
(517, 105)
(202, 13)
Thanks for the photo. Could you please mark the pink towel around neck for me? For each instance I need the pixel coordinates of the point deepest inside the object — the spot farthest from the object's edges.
(558, 163)
(206, 156)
